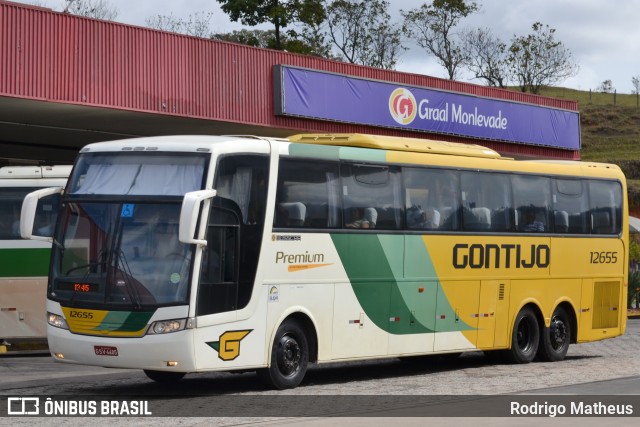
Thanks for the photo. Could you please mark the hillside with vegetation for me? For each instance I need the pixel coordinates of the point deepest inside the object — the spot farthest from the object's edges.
(610, 126)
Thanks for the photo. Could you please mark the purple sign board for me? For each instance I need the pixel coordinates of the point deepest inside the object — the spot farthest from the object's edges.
(319, 95)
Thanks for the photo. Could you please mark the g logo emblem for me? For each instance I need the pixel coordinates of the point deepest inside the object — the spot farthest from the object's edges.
(402, 106)
(228, 347)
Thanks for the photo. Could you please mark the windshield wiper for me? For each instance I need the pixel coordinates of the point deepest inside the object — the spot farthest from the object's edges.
(131, 289)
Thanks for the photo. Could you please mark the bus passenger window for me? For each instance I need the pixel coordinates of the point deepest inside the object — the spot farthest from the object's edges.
(532, 203)
(307, 195)
(569, 206)
(371, 197)
(605, 199)
(46, 213)
(486, 201)
(431, 200)
(9, 220)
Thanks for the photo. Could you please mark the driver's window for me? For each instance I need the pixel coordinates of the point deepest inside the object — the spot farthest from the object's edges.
(220, 267)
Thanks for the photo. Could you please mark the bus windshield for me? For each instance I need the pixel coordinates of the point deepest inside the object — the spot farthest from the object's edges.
(121, 254)
(134, 174)
(117, 243)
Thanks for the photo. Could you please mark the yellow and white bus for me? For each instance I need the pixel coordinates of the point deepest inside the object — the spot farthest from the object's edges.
(199, 253)
(24, 265)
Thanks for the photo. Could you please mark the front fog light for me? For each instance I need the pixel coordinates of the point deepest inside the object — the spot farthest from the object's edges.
(167, 326)
(57, 321)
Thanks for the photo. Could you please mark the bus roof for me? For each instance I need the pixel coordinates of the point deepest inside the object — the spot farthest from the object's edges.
(396, 143)
(168, 143)
(34, 172)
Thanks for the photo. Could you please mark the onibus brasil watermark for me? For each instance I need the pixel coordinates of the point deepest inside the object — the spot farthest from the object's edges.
(68, 407)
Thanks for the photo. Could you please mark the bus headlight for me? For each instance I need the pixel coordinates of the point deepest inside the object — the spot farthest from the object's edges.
(57, 321)
(172, 325)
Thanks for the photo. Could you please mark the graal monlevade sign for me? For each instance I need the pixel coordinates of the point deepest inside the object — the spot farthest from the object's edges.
(325, 96)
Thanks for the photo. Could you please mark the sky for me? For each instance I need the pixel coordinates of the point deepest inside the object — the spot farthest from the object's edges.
(602, 36)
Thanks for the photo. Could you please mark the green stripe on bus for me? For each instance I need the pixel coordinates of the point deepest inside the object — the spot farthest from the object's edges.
(124, 321)
(319, 152)
(32, 262)
(327, 152)
(395, 303)
(136, 321)
(363, 154)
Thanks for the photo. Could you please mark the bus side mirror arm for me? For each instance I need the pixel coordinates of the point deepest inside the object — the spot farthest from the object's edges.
(28, 212)
(189, 215)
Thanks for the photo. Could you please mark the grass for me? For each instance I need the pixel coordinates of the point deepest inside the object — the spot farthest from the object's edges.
(610, 132)
(586, 98)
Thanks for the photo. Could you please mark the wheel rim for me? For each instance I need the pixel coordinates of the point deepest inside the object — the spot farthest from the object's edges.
(524, 336)
(289, 355)
(558, 333)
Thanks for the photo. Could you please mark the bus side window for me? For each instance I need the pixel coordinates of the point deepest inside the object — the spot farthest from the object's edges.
(486, 201)
(569, 206)
(46, 215)
(9, 220)
(431, 201)
(219, 275)
(605, 198)
(532, 203)
(307, 195)
(371, 196)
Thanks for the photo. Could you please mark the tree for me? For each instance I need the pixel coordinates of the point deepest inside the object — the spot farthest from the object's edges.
(433, 27)
(197, 25)
(266, 39)
(362, 32)
(257, 38)
(98, 9)
(538, 59)
(280, 13)
(486, 57)
(635, 81)
(606, 87)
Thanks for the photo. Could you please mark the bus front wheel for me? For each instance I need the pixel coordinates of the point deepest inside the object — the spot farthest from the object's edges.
(164, 376)
(289, 357)
(555, 339)
(525, 337)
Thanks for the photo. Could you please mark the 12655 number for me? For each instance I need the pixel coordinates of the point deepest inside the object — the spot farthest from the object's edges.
(604, 257)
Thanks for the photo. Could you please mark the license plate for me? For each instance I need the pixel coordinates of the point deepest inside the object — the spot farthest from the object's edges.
(105, 350)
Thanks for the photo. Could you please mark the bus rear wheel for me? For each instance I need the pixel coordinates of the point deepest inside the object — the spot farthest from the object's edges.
(164, 376)
(289, 357)
(525, 337)
(555, 339)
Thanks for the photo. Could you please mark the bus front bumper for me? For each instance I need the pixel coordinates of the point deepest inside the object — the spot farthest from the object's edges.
(166, 352)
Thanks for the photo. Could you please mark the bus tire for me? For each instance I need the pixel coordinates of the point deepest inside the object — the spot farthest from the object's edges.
(289, 357)
(555, 340)
(164, 376)
(525, 337)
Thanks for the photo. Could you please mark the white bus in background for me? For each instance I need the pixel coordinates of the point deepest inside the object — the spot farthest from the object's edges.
(24, 264)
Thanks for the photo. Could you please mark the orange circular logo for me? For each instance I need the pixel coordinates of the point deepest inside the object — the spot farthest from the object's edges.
(402, 106)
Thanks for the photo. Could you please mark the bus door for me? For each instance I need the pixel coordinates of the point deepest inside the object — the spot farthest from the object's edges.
(229, 265)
